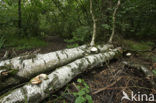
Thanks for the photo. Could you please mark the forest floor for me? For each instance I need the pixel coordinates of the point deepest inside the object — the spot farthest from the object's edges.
(106, 83)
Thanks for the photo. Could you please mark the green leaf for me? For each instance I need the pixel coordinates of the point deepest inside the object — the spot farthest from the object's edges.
(81, 93)
(79, 80)
(154, 71)
(86, 86)
(106, 26)
(75, 94)
(89, 98)
(79, 87)
(80, 99)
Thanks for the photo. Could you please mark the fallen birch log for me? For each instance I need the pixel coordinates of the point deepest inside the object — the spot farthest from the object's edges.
(30, 93)
(148, 73)
(23, 68)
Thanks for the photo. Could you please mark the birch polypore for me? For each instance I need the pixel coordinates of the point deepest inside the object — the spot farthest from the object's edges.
(60, 77)
(22, 68)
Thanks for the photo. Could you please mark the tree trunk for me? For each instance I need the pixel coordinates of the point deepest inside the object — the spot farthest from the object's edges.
(21, 69)
(36, 93)
(114, 18)
(94, 24)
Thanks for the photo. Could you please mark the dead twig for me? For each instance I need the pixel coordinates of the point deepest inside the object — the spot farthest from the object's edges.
(75, 86)
(102, 89)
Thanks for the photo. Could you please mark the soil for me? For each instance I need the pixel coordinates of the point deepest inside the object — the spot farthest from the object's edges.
(112, 79)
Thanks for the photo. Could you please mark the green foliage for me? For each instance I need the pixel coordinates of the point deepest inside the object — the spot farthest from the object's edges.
(25, 43)
(154, 71)
(81, 35)
(2, 40)
(72, 45)
(154, 58)
(138, 45)
(71, 19)
(136, 19)
(82, 96)
(106, 26)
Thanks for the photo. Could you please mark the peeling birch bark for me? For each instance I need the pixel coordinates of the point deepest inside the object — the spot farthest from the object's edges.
(60, 77)
(18, 69)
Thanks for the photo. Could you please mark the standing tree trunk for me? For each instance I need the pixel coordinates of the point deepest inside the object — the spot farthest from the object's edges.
(94, 24)
(19, 16)
(113, 26)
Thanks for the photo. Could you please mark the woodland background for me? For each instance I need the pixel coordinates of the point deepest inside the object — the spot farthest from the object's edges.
(42, 26)
(24, 23)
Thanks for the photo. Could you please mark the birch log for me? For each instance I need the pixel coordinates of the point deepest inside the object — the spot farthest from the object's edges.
(60, 77)
(148, 73)
(20, 69)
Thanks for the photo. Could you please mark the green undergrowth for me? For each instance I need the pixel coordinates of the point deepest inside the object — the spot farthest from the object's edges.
(2, 40)
(153, 58)
(72, 45)
(82, 96)
(134, 45)
(25, 43)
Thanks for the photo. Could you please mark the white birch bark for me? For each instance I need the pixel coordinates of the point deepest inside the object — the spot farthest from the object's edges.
(27, 68)
(60, 77)
(114, 19)
(94, 24)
